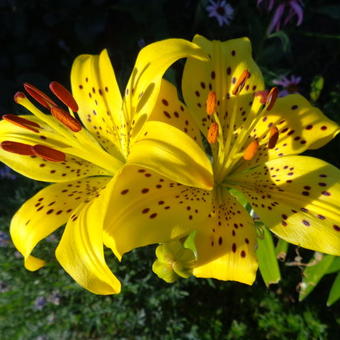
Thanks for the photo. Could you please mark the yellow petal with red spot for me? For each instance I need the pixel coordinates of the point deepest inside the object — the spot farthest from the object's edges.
(300, 125)
(226, 244)
(169, 109)
(228, 60)
(150, 209)
(297, 197)
(145, 81)
(80, 250)
(173, 154)
(96, 91)
(46, 211)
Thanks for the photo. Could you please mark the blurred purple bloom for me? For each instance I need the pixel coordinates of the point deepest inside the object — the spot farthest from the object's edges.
(40, 303)
(289, 85)
(6, 172)
(283, 13)
(221, 10)
(4, 239)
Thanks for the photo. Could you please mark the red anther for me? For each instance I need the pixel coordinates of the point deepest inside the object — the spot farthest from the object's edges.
(22, 122)
(251, 150)
(18, 148)
(211, 103)
(19, 95)
(64, 95)
(271, 98)
(273, 137)
(48, 153)
(39, 96)
(240, 82)
(66, 119)
(212, 133)
(263, 96)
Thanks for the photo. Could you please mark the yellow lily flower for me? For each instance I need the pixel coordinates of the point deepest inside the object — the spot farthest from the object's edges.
(254, 138)
(83, 153)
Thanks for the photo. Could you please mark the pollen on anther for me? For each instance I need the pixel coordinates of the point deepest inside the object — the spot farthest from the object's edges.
(212, 133)
(64, 95)
(251, 150)
(211, 103)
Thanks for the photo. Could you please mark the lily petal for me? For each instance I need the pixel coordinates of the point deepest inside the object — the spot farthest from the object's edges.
(46, 211)
(145, 81)
(96, 91)
(297, 197)
(81, 253)
(301, 127)
(226, 245)
(228, 60)
(173, 154)
(150, 209)
(169, 109)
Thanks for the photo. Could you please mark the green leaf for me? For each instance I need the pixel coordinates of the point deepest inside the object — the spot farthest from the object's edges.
(281, 249)
(284, 40)
(334, 293)
(333, 11)
(316, 87)
(335, 266)
(314, 273)
(266, 256)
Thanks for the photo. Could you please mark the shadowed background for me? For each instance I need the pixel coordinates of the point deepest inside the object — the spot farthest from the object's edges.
(39, 41)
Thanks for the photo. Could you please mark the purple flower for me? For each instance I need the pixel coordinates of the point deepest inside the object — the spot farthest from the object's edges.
(4, 239)
(221, 10)
(289, 85)
(6, 172)
(283, 13)
(40, 303)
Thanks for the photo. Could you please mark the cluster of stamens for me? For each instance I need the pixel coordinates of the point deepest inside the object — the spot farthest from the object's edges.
(61, 115)
(266, 98)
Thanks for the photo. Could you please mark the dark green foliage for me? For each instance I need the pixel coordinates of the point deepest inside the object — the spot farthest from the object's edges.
(39, 41)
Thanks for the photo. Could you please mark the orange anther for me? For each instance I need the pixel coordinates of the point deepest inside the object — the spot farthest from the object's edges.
(273, 137)
(22, 122)
(66, 119)
(251, 149)
(39, 96)
(19, 96)
(64, 95)
(263, 96)
(212, 133)
(18, 148)
(240, 82)
(211, 103)
(48, 154)
(271, 98)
